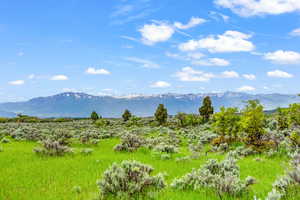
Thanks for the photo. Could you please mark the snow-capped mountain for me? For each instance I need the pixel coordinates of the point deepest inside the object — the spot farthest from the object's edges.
(81, 105)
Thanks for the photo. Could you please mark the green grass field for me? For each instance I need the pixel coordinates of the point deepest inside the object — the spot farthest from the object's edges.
(25, 175)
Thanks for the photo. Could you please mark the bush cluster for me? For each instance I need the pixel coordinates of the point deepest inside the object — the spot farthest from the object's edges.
(128, 180)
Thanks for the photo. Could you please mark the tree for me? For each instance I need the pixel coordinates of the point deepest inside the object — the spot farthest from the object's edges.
(206, 110)
(161, 114)
(294, 114)
(227, 122)
(94, 116)
(282, 119)
(126, 115)
(253, 122)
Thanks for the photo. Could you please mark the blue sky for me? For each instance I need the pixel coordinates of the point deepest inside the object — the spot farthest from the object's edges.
(123, 47)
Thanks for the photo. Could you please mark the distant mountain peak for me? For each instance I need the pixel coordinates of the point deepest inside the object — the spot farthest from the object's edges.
(76, 104)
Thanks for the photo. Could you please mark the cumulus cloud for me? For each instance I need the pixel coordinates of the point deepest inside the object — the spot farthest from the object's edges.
(247, 8)
(295, 32)
(143, 62)
(59, 78)
(283, 57)
(189, 74)
(230, 41)
(94, 71)
(160, 84)
(156, 32)
(160, 31)
(250, 77)
(17, 82)
(229, 74)
(246, 88)
(194, 21)
(279, 74)
(211, 62)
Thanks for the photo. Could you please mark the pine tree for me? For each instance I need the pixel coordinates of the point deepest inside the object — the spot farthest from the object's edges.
(161, 114)
(206, 110)
(126, 115)
(94, 116)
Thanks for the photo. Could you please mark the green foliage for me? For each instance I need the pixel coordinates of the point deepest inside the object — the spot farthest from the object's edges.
(282, 118)
(126, 115)
(129, 142)
(294, 114)
(185, 120)
(253, 123)
(129, 180)
(223, 177)
(94, 116)
(227, 122)
(295, 138)
(102, 122)
(52, 148)
(161, 114)
(206, 110)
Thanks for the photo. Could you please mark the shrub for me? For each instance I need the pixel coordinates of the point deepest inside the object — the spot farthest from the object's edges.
(102, 122)
(294, 114)
(129, 179)
(289, 184)
(223, 176)
(52, 148)
(165, 148)
(89, 137)
(227, 122)
(5, 140)
(185, 120)
(129, 142)
(282, 118)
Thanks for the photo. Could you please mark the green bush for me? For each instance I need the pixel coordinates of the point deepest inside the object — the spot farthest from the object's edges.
(129, 180)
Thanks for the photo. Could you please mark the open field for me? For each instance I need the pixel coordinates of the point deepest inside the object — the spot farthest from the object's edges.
(27, 175)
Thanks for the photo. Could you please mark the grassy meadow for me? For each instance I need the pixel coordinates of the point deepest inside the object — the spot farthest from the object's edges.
(26, 175)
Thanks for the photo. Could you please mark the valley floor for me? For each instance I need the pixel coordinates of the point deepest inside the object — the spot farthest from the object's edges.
(25, 175)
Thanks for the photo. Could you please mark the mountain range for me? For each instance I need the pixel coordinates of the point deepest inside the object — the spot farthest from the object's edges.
(81, 105)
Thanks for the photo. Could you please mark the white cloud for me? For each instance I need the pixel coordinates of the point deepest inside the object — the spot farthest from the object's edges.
(194, 21)
(17, 82)
(59, 78)
(144, 63)
(247, 8)
(216, 15)
(160, 84)
(230, 41)
(279, 74)
(295, 32)
(94, 71)
(31, 76)
(246, 88)
(189, 74)
(211, 62)
(229, 74)
(250, 77)
(283, 57)
(199, 59)
(156, 32)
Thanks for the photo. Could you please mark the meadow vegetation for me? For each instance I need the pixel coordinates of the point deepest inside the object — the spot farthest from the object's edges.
(230, 154)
